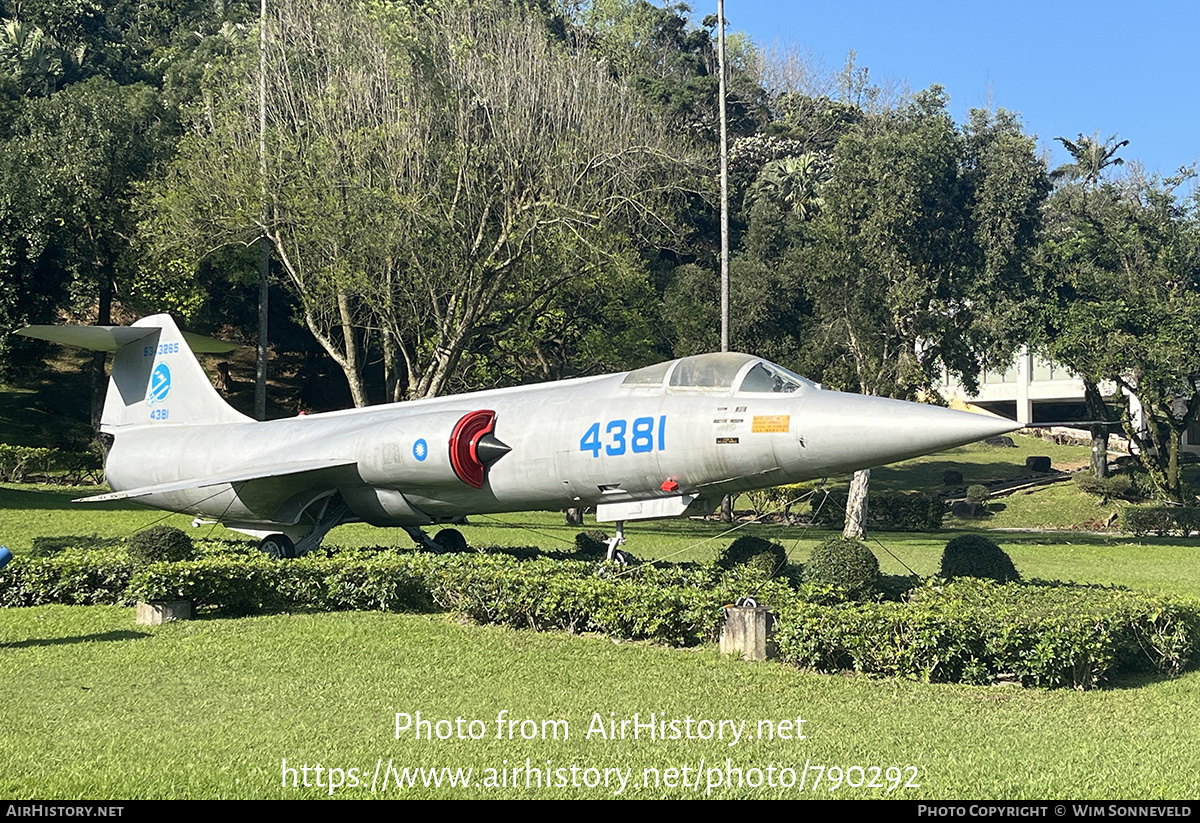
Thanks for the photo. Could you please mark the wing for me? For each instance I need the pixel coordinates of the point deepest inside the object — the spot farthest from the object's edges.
(235, 476)
(111, 338)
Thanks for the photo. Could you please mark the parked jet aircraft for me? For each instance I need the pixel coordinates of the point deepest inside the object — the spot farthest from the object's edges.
(661, 441)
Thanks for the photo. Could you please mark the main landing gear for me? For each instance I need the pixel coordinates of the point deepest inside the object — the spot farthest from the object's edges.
(279, 546)
(332, 513)
(446, 541)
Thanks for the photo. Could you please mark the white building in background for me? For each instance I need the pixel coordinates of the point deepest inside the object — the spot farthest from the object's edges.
(1037, 391)
(1031, 391)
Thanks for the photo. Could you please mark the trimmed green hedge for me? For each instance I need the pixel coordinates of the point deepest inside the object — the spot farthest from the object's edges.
(893, 511)
(969, 631)
(17, 461)
(978, 631)
(91, 578)
(1163, 521)
(677, 606)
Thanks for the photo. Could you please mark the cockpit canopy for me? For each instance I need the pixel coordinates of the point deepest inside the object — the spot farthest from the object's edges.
(719, 373)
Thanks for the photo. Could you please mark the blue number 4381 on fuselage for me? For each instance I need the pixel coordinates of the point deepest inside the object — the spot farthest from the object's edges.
(661, 441)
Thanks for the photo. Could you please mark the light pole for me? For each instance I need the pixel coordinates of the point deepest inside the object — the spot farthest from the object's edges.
(727, 500)
(264, 259)
(724, 179)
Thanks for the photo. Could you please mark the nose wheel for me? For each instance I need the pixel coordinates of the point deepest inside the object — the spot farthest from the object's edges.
(616, 554)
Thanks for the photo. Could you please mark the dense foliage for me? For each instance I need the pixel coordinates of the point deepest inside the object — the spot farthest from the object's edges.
(846, 563)
(973, 555)
(459, 195)
(891, 511)
(18, 462)
(967, 631)
(980, 632)
(160, 544)
(766, 556)
(1161, 520)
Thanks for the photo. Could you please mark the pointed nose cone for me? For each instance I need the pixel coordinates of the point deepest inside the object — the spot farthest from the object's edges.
(847, 432)
(490, 448)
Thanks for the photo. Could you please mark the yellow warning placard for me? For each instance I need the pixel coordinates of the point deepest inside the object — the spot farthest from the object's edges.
(770, 423)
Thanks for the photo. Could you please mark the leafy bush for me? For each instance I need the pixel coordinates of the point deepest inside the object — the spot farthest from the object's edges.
(843, 562)
(591, 543)
(17, 461)
(161, 544)
(978, 493)
(1161, 520)
(74, 578)
(1143, 483)
(48, 546)
(973, 555)
(977, 631)
(894, 511)
(779, 499)
(248, 584)
(766, 556)
(971, 631)
(1114, 486)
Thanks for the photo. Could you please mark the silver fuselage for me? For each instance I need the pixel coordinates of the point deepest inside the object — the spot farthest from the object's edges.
(583, 442)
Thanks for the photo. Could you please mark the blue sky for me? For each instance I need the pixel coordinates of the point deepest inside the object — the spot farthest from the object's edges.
(1130, 69)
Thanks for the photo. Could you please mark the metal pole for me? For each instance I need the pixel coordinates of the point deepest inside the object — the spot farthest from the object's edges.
(264, 260)
(727, 500)
(724, 181)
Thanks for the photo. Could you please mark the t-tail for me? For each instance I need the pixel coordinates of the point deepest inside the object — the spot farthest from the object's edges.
(156, 378)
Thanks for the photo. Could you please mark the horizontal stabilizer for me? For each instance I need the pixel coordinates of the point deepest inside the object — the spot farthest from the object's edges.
(111, 338)
(228, 478)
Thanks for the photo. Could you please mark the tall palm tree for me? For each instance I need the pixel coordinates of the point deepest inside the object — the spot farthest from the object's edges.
(1091, 158)
(793, 184)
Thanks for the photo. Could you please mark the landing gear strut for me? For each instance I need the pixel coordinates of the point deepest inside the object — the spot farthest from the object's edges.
(616, 554)
(332, 513)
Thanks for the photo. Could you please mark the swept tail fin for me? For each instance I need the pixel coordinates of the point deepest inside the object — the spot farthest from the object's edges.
(156, 378)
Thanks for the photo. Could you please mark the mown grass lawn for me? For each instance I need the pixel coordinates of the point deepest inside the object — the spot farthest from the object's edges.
(211, 708)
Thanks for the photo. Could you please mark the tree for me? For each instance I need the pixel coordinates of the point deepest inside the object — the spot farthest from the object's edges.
(433, 172)
(673, 63)
(1123, 261)
(922, 252)
(1090, 159)
(1079, 179)
(82, 123)
(791, 184)
(66, 183)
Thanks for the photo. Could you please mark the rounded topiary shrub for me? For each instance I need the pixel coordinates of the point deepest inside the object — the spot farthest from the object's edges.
(843, 562)
(757, 552)
(159, 544)
(591, 543)
(973, 555)
(978, 493)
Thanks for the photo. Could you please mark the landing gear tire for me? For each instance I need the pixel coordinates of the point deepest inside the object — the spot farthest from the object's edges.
(279, 546)
(624, 558)
(451, 540)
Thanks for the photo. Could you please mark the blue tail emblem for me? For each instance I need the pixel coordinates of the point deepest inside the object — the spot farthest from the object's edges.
(160, 384)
